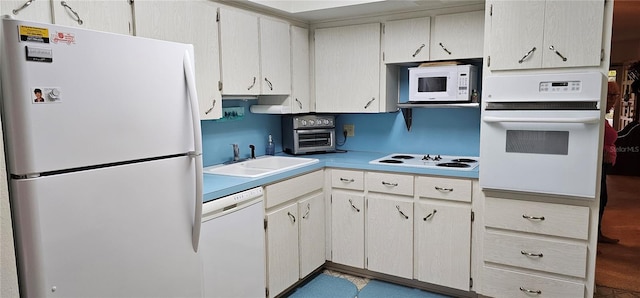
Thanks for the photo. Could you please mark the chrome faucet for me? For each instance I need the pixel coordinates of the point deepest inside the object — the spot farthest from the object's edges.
(236, 152)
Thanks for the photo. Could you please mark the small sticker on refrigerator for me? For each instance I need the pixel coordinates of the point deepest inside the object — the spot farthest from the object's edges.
(45, 95)
(39, 54)
(33, 34)
(62, 37)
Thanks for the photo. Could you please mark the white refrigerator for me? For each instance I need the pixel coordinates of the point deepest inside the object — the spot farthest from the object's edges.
(104, 156)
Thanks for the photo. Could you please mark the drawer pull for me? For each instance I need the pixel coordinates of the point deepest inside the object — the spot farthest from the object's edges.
(430, 215)
(389, 184)
(306, 214)
(533, 217)
(291, 216)
(353, 206)
(530, 254)
(442, 189)
(537, 292)
(402, 213)
(346, 180)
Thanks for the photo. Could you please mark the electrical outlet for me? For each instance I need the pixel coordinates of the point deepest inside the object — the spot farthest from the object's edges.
(350, 129)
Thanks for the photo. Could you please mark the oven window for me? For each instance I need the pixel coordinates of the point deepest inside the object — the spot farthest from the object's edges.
(307, 140)
(539, 142)
(432, 84)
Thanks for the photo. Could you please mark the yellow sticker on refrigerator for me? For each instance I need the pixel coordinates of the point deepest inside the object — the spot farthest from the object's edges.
(34, 34)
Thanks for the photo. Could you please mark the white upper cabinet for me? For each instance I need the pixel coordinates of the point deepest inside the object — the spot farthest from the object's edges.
(347, 69)
(406, 40)
(103, 15)
(28, 10)
(239, 52)
(457, 36)
(300, 71)
(165, 20)
(275, 57)
(549, 34)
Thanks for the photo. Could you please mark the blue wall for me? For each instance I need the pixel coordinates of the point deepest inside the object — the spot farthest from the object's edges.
(446, 131)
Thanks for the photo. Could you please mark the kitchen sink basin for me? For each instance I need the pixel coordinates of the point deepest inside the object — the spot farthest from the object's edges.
(261, 166)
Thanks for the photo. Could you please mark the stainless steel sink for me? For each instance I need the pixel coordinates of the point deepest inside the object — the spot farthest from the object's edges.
(261, 166)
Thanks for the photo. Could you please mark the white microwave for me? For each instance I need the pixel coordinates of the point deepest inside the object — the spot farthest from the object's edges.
(442, 83)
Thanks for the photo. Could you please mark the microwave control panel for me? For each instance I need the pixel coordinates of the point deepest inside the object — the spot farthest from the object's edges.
(561, 87)
(463, 84)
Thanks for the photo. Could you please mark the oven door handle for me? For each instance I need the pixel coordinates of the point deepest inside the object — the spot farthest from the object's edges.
(585, 120)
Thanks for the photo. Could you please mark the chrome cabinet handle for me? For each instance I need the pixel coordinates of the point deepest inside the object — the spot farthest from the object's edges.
(65, 5)
(268, 82)
(445, 49)
(527, 55)
(389, 184)
(17, 10)
(557, 53)
(346, 180)
(299, 103)
(369, 102)
(430, 215)
(213, 105)
(418, 50)
(443, 189)
(291, 216)
(533, 217)
(306, 214)
(530, 254)
(537, 292)
(402, 213)
(252, 84)
(353, 206)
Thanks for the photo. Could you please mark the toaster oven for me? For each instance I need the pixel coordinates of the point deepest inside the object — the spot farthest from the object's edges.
(303, 134)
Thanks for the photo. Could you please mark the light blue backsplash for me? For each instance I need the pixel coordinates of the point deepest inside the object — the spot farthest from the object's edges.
(446, 131)
(217, 136)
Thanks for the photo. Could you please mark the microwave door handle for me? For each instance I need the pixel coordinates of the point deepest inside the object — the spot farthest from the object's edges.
(585, 120)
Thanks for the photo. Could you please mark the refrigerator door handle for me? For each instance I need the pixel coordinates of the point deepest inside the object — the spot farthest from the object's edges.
(197, 154)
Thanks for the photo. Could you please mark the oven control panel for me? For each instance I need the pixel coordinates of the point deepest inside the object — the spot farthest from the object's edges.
(561, 87)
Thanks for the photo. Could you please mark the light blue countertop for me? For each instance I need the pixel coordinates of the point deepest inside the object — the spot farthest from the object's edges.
(216, 186)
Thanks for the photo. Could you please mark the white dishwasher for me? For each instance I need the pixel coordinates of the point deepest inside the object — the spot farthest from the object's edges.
(232, 245)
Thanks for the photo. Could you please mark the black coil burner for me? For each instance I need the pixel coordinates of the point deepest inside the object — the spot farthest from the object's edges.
(402, 157)
(464, 160)
(391, 161)
(453, 165)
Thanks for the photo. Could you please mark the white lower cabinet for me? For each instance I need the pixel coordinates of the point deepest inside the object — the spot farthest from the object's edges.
(443, 232)
(390, 235)
(295, 234)
(347, 228)
(535, 248)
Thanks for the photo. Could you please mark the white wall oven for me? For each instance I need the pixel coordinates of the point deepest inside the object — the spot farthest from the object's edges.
(541, 133)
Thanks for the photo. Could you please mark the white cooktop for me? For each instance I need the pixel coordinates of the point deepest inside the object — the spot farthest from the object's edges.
(445, 162)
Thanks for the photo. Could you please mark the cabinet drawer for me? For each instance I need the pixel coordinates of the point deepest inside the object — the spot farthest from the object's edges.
(281, 192)
(444, 188)
(390, 183)
(505, 283)
(535, 217)
(547, 255)
(347, 179)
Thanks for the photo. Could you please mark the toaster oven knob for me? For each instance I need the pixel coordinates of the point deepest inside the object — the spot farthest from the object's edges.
(311, 122)
(303, 122)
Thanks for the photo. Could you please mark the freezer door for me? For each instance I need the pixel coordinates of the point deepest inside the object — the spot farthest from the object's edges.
(106, 98)
(121, 231)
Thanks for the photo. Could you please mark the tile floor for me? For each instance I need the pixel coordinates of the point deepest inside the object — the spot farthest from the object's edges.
(601, 292)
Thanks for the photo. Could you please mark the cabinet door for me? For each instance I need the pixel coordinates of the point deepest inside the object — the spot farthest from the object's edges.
(239, 52)
(37, 11)
(443, 248)
(300, 94)
(275, 57)
(407, 40)
(574, 31)
(516, 34)
(347, 69)
(347, 228)
(458, 36)
(165, 20)
(312, 235)
(390, 235)
(282, 248)
(103, 15)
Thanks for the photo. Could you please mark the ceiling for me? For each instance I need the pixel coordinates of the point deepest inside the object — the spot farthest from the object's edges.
(626, 13)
